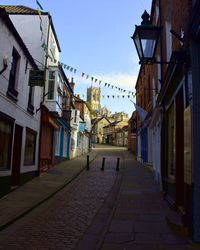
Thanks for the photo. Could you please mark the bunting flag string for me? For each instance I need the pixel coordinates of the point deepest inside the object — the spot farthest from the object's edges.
(40, 17)
(70, 68)
(113, 96)
(116, 96)
(74, 70)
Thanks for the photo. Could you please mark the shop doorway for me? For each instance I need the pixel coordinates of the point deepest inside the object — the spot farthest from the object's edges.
(16, 162)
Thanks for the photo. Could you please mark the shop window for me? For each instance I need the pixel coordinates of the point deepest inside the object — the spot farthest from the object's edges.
(57, 143)
(12, 92)
(6, 129)
(51, 85)
(30, 145)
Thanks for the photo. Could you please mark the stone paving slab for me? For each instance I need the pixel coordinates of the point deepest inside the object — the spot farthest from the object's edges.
(138, 220)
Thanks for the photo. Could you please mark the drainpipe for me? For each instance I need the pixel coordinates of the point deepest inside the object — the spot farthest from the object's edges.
(41, 116)
(161, 39)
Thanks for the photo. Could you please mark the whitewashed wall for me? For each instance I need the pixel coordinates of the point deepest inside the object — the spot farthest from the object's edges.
(28, 27)
(18, 110)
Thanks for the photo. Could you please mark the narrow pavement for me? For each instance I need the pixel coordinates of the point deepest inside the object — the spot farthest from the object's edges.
(86, 210)
(138, 217)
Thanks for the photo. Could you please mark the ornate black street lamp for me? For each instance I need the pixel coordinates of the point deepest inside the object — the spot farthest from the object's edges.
(146, 38)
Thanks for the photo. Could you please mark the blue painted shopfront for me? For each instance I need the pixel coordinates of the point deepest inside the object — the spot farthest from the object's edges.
(64, 128)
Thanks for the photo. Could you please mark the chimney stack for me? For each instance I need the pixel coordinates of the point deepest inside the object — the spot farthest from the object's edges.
(72, 83)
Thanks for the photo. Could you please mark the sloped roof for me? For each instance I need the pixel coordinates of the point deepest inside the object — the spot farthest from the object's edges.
(96, 120)
(125, 127)
(78, 99)
(111, 124)
(24, 10)
(20, 9)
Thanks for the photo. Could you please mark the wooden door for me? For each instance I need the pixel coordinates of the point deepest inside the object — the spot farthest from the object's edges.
(16, 162)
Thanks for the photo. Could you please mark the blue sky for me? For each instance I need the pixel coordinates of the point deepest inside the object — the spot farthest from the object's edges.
(95, 39)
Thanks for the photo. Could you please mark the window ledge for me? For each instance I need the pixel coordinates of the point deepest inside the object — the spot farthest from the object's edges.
(12, 94)
(4, 169)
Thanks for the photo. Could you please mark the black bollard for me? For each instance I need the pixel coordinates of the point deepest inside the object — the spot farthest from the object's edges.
(103, 164)
(88, 161)
(117, 168)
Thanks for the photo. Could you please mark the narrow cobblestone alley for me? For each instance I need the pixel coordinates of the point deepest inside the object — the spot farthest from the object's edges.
(138, 219)
(60, 222)
(107, 210)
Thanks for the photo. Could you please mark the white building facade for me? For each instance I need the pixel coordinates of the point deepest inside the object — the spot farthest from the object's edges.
(19, 120)
(44, 47)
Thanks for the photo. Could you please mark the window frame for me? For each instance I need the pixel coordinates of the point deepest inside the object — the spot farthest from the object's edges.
(13, 76)
(29, 130)
(53, 83)
(10, 121)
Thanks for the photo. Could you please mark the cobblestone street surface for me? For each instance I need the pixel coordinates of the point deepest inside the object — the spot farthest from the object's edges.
(107, 210)
(60, 222)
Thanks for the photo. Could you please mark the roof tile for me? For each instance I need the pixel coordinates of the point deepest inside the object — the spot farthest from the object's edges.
(19, 9)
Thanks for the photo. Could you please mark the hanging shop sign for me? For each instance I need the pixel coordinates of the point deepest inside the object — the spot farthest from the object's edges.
(37, 78)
